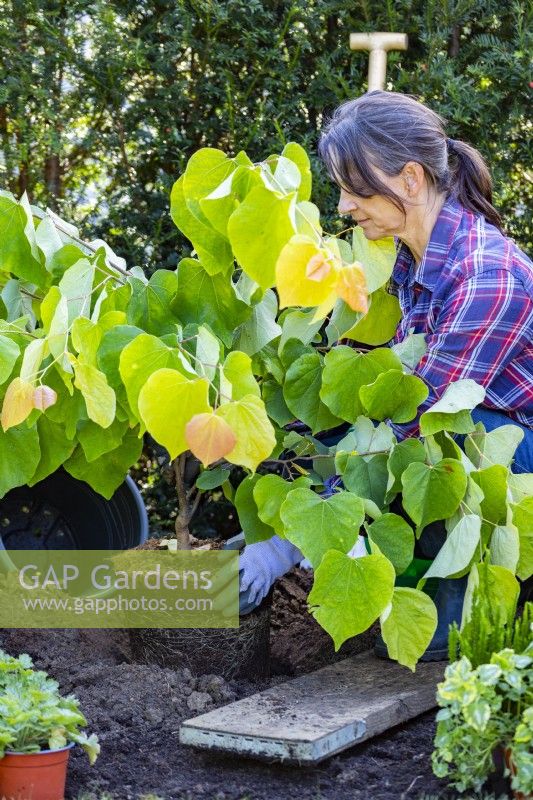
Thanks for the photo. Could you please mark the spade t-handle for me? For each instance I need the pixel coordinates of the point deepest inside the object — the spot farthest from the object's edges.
(378, 44)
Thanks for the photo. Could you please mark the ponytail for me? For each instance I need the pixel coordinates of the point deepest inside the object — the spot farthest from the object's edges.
(471, 182)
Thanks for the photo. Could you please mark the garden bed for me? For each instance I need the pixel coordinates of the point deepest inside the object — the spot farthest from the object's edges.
(137, 710)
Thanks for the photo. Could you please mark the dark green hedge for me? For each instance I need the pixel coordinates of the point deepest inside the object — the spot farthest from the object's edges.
(101, 103)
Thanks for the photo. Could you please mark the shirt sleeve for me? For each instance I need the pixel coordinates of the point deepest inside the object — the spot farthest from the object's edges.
(483, 325)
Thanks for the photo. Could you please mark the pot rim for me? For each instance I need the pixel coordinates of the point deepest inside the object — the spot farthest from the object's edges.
(39, 752)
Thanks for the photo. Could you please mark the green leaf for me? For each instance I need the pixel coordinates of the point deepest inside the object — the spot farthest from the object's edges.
(69, 409)
(144, 355)
(379, 324)
(261, 328)
(238, 371)
(523, 519)
(366, 439)
(76, 287)
(106, 473)
(298, 156)
(520, 486)
(15, 302)
(167, 402)
(395, 539)
(432, 493)
(505, 547)
(299, 325)
(99, 397)
(280, 174)
(500, 588)
(301, 391)
(86, 337)
(275, 404)
(411, 350)
(206, 170)
(394, 396)
(316, 525)
(48, 239)
(471, 501)
(349, 594)
(150, 304)
(376, 256)
(496, 447)
(493, 483)
(19, 456)
(458, 550)
(345, 372)
(308, 219)
(212, 478)
(212, 247)
(270, 492)
(210, 299)
(365, 477)
(342, 319)
(9, 352)
(408, 625)
(58, 334)
(96, 441)
(113, 343)
(255, 530)
(452, 411)
(293, 350)
(18, 249)
(402, 454)
(54, 446)
(258, 230)
(256, 438)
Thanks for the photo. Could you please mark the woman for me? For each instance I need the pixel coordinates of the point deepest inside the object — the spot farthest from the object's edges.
(459, 280)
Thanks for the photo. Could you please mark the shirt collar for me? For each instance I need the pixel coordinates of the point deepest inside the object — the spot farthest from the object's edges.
(436, 252)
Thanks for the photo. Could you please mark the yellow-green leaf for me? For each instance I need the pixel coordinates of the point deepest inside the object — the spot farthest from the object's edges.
(98, 395)
(167, 402)
(18, 403)
(255, 435)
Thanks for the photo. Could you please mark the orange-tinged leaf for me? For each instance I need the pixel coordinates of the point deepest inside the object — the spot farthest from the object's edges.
(318, 267)
(351, 287)
(209, 437)
(44, 397)
(18, 403)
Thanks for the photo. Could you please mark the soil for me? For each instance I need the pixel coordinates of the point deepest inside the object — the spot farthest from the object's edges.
(136, 711)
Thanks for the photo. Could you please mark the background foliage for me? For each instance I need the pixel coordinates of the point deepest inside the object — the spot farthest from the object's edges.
(102, 103)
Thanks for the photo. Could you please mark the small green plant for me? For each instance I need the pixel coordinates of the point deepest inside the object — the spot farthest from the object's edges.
(486, 699)
(522, 749)
(489, 628)
(34, 716)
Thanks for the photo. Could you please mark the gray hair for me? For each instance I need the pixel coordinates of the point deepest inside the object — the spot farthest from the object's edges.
(385, 130)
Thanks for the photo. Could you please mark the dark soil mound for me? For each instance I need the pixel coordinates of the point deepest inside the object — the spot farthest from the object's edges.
(136, 711)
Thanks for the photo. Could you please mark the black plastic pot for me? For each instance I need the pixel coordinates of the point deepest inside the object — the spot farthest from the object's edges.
(63, 513)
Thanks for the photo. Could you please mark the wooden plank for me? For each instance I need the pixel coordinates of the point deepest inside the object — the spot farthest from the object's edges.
(310, 718)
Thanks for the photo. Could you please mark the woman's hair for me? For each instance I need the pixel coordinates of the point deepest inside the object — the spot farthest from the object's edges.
(388, 129)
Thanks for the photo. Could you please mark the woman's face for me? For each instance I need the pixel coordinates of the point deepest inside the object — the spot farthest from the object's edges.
(377, 215)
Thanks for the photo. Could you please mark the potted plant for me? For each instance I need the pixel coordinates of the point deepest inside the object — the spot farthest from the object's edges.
(38, 727)
(486, 700)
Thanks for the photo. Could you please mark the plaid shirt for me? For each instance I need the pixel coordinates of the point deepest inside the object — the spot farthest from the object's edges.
(472, 297)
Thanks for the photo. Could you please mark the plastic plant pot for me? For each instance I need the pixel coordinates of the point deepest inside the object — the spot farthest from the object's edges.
(34, 776)
(63, 513)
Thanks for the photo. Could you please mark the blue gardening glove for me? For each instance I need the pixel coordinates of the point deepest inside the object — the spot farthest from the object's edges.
(260, 564)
